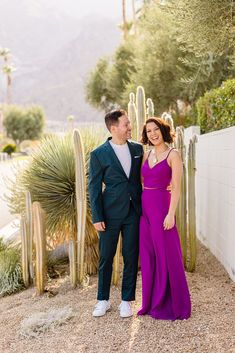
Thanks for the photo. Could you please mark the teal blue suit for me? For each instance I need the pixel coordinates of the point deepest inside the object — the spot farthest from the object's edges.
(116, 200)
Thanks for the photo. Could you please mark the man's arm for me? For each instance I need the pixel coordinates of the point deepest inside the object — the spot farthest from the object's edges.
(95, 191)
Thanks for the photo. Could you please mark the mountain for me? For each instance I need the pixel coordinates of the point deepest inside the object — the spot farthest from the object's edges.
(54, 53)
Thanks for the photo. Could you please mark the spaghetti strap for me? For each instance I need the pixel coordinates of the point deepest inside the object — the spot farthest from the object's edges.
(169, 152)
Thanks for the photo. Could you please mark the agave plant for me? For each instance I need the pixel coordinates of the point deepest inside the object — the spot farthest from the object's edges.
(50, 179)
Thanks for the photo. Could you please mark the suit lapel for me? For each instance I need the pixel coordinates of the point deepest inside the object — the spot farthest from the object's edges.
(132, 151)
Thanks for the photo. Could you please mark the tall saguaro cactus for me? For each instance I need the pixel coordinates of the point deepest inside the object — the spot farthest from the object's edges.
(181, 214)
(24, 252)
(81, 202)
(141, 109)
(132, 113)
(116, 263)
(29, 232)
(150, 108)
(40, 246)
(192, 203)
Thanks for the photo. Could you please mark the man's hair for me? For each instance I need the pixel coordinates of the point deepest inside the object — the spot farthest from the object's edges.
(112, 117)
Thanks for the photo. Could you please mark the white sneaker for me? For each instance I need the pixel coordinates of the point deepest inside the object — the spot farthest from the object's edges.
(125, 309)
(101, 307)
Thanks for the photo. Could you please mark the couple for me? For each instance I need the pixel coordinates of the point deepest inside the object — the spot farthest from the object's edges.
(145, 218)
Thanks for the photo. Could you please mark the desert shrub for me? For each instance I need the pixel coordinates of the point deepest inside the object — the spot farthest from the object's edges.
(10, 270)
(9, 148)
(216, 109)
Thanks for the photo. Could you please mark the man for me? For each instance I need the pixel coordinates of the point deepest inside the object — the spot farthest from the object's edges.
(116, 208)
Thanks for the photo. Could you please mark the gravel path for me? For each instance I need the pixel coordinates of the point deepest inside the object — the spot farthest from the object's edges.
(210, 329)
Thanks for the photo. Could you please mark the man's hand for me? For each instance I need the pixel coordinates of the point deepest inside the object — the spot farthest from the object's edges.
(169, 188)
(100, 226)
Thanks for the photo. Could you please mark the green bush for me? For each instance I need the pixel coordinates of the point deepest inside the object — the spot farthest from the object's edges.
(216, 109)
(10, 270)
(23, 123)
(9, 148)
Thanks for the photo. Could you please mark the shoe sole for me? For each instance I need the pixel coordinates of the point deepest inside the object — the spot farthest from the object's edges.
(102, 314)
(125, 316)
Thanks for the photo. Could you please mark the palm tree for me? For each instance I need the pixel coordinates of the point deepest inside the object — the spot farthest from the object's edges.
(5, 53)
(134, 16)
(7, 70)
(125, 30)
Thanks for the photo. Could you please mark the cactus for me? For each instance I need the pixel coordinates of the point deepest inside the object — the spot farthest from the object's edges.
(150, 108)
(24, 251)
(40, 244)
(168, 119)
(29, 233)
(191, 205)
(116, 263)
(80, 173)
(73, 262)
(181, 213)
(141, 112)
(132, 113)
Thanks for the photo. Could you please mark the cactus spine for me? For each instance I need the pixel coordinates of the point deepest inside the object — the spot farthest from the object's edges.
(80, 176)
(181, 213)
(29, 231)
(192, 204)
(40, 244)
(150, 108)
(141, 112)
(24, 252)
(133, 117)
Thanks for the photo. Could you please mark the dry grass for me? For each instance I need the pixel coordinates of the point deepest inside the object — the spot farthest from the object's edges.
(209, 330)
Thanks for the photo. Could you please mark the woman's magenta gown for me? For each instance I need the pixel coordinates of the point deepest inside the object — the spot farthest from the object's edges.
(165, 293)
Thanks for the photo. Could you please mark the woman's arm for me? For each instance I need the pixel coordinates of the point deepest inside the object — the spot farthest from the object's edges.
(177, 169)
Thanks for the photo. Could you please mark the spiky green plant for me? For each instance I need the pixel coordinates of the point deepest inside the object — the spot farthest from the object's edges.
(150, 108)
(192, 204)
(10, 270)
(141, 108)
(181, 213)
(132, 114)
(50, 179)
(81, 202)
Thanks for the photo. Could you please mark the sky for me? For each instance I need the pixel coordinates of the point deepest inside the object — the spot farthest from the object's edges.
(107, 8)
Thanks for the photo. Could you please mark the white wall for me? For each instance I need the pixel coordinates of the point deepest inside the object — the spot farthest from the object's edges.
(215, 194)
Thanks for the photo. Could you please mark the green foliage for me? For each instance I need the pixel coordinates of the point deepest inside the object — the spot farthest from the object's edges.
(207, 26)
(10, 270)
(9, 148)
(108, 80)
(23, 123)
(216, 109)
(182, 49)
(50, 179)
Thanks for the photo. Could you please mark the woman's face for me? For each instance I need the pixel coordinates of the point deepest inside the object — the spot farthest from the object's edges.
(154, 134)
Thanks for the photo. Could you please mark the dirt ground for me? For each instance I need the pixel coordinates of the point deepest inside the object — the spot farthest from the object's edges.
(211, 327)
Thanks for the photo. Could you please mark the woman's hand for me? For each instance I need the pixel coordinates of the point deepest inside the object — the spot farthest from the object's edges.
(169, 222)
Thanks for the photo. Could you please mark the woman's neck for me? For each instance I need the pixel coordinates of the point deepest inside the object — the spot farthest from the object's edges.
(161, 148)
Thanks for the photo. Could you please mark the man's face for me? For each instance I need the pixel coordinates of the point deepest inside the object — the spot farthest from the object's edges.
(122, 131)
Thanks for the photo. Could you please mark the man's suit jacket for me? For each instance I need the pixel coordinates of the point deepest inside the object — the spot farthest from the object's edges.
(109, 187)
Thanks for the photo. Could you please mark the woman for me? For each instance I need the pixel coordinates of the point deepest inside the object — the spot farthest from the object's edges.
(165, 293)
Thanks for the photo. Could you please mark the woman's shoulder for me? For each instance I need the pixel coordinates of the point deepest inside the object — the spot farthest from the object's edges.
(174, 155)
